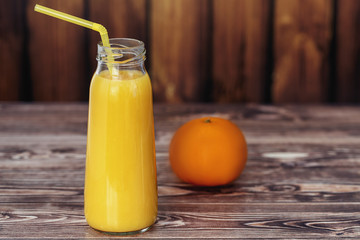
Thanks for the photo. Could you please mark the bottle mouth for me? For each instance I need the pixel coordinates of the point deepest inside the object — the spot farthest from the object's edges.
(125, 51)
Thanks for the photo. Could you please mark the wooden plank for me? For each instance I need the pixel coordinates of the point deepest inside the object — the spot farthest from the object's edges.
(241, 48)
(122, 19)
(57, 53)
(251, 220)
(238, 193)
(11, 49)
(180, 50)
(298, 122)
(302, 40)
(65, 186)
(246, 208)
(348, 51)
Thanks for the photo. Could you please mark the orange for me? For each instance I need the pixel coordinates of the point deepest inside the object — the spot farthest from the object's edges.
(208, 151)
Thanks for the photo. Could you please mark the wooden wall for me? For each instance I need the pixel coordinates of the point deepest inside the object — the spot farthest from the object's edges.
(273, 51)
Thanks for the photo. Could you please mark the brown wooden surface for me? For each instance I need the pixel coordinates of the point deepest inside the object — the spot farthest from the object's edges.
(56, 48)
(279, 196)
(179, 49)
(302, 40)
(241, 50)
(11, 48)
(348, 50)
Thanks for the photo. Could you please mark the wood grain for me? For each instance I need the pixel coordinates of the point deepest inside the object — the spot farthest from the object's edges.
(241, 50)
(347, 51)
(175, 220)
(302, 41)
(179, 50)
(57, 53)
(122, 19)
(278, 51)
(279, 196)
(11, 48)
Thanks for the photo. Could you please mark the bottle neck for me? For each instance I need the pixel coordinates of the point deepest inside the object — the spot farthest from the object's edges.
(123, 54)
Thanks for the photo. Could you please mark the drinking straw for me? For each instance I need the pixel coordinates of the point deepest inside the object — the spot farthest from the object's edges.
(82, 22)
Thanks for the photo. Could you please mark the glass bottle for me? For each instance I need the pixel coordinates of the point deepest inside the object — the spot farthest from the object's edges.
(120, 180)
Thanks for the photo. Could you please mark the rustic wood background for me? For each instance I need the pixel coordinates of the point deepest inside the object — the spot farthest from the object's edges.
(273, 51)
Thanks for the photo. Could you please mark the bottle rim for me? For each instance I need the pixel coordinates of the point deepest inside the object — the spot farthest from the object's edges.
(125, 51)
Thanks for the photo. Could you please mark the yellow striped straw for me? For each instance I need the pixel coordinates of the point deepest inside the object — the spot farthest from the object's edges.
(82, 22)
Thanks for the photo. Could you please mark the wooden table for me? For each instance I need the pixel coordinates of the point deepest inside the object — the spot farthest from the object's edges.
(302, 179)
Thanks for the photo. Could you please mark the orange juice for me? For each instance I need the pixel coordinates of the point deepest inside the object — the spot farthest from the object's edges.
(120, 178)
